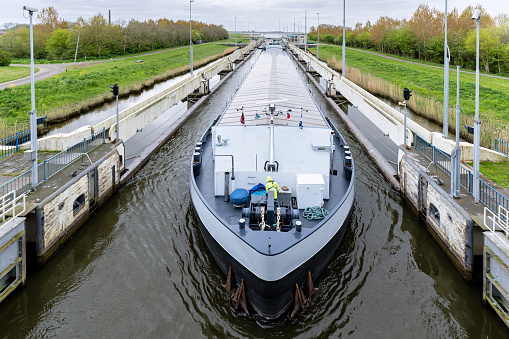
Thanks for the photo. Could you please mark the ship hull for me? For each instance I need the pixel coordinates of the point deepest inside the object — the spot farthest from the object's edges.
(271, 298)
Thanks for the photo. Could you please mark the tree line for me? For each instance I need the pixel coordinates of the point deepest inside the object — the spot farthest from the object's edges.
(422, 37)
(55, 38)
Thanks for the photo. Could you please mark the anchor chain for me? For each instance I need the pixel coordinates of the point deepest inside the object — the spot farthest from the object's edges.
(278, 226)
(262, 223)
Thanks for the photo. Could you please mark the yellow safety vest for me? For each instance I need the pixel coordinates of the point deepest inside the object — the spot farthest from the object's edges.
(272, 186)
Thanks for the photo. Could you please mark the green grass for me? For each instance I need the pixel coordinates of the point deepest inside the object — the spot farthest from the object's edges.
(81, 88)
(26, 61)
(9, 73)
(498, 172)
(427, 86)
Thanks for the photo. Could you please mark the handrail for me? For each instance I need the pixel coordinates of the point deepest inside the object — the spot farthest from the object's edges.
(502, 146)
(497, 222)
(488, 195)
(10, 145)
(48, 168)
(9, 202)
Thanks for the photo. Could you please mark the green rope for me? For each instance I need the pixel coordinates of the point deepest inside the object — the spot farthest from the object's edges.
(315, 213)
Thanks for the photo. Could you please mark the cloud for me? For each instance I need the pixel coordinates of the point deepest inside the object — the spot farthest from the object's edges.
(262, 14)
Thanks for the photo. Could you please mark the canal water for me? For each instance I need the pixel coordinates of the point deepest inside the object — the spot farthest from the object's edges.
(140, 268)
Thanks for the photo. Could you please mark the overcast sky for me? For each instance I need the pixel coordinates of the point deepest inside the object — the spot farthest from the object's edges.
(259, 14)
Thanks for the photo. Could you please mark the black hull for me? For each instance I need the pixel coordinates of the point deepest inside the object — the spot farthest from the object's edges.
(270, 299)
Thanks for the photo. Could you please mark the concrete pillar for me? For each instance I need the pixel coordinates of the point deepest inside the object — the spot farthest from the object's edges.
(204, 87)
(331, 88)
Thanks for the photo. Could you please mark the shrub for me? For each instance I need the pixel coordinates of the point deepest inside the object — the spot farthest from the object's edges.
(5, 58)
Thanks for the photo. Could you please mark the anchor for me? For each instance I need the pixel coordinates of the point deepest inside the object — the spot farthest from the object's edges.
(300, 298)
(300, 301)
(240, 299)
(228, 285)
(311, 289)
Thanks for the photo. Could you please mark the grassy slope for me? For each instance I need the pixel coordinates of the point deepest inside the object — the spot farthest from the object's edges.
(428, 81)
(10, 73)
(93, 81)
(498, 172)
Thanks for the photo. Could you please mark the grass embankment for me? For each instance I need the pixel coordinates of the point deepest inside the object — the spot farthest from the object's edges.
(9, 73)
(80, 89)
(387, 78)
(26, 61)
(496, 171)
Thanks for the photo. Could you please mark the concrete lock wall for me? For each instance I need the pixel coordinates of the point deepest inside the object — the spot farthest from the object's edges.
(12, 255)
(449, 223)
(63, 212)
(60, 141)
(467, 149)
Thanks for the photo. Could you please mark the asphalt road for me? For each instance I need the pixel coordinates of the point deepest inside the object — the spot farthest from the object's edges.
(45, 71)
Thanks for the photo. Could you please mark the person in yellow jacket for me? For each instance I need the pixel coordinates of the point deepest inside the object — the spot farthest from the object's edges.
(272, 186)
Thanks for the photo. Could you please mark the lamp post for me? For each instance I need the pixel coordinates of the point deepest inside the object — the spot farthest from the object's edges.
(33, 112)
(343, 65)
(76, 54)
(318, 40)
(477, 124)
(235, 33)
(456, 151)
(406, 96)
(191, 36)
(446, 81)
(305, 31)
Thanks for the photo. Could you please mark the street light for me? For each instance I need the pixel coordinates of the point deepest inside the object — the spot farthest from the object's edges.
(76, 54)
(477, 124)
(446, 81)
(235, 33)
(318, 40)
(305, 31)
(343, 65)
(32, 154)
(456, 151)
(191, 36)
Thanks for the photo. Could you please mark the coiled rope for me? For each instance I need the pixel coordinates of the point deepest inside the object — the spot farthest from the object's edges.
(315, 213)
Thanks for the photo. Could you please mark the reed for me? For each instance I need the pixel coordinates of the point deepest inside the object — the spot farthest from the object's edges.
(73, 108)
(426, 106)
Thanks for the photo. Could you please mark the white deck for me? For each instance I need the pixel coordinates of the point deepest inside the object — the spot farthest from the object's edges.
(274, 78)
(306, 150)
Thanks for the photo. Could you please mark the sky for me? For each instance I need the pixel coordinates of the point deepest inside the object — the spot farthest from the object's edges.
(251, 14)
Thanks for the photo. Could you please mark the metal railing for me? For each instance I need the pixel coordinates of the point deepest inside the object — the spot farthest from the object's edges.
(497, 221)
(502, 146)
(48, 168)
(488, 195)
(10, 145)
(9, 202)
(491, 197)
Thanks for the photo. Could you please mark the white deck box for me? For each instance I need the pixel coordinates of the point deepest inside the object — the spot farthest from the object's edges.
(309, 190)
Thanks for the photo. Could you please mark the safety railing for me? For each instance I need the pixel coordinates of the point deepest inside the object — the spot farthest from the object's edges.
(9, 203)
(466, 179)
(497, 221)
(20, 184)
(10, 145)
(48, 168)
(487, 194)
(491, 197)
(502, 146)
